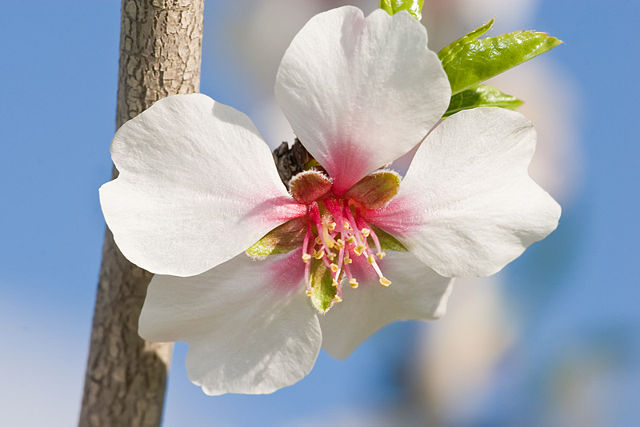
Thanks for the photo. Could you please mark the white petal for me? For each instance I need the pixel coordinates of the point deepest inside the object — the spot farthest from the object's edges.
(467, 205)
(197, 186)
(416, 293)
(249, 325)
(360, 92)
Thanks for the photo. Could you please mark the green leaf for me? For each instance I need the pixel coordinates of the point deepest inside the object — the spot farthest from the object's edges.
(323, 293)
(481, 96)
(414, 7)
(449, 50)
(469, 61)
(387, 241)
(280, 240)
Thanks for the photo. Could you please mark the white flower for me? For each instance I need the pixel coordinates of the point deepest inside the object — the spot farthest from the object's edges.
(198, 187)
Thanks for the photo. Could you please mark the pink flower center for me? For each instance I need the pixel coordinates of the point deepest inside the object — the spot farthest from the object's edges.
(337, 234)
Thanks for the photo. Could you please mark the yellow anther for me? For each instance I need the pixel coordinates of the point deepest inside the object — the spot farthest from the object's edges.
(347, 226)
(351, 239)
(331, 255)
(358, 249)
(334, 283)
(318, 254)
(370, 259)
(334, 267)
(385, 282)
(348, 260)
(306, 258)
(381, 254)
(353, 283)
(318, 240)
(339, 244)
(332, 226)
(309, 293)
(365, 232)
(337, 299)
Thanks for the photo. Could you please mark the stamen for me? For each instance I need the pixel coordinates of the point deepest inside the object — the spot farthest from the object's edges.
(334, 268)
(365, 232)
(346, 225)
(358, 249)
(385, 282)
(381, 255)
(370, 259)
(334, 283)
(375, 239)
(307, 270)
(305, 244)
(332, 226)
(318, 254)
(353, 283)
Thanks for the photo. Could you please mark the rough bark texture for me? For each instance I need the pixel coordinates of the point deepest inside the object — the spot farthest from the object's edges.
(160, 50)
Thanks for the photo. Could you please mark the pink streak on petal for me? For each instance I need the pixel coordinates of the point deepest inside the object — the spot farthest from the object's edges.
(278, 210)
(347, 165)
(286, 274)
(401, 216)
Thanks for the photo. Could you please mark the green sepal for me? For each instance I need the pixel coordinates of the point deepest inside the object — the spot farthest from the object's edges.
(281, 240)
(414, 7)
(470, 61)
(323, 293)
(481, 96)
(387, 241)
(376, 189)
(309, 185)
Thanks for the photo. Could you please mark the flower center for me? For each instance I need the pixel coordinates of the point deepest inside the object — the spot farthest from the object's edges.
(336, 234)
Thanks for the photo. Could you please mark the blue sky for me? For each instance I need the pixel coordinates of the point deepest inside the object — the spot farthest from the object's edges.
(56, 121)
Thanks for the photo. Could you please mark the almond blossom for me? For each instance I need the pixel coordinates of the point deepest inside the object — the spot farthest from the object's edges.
(256, 278)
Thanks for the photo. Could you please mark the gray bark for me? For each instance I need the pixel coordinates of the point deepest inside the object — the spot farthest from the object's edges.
(125, 382)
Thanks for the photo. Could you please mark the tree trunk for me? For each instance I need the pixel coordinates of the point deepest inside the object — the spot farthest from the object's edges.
(125, 382)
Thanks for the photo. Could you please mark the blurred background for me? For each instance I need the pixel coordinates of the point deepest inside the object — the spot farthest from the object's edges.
(553, 340)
